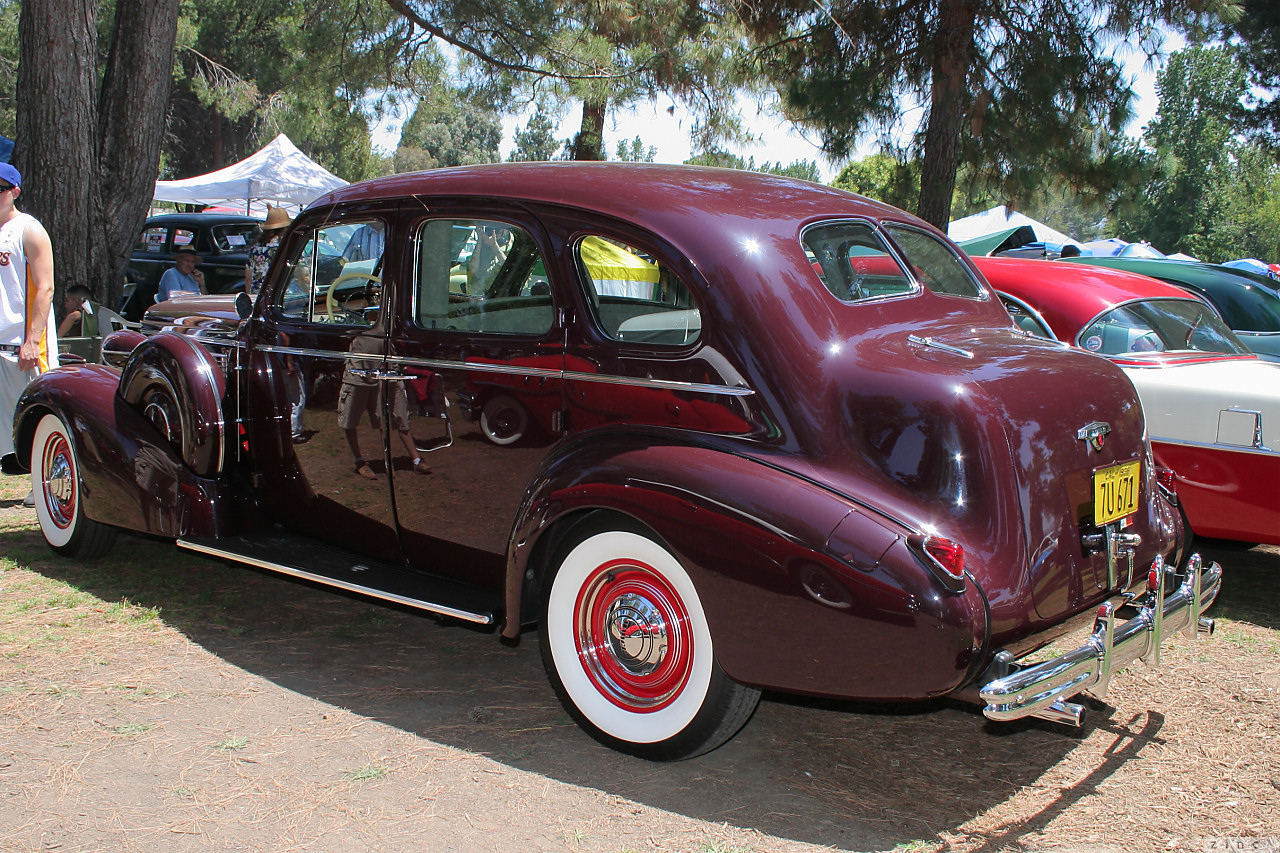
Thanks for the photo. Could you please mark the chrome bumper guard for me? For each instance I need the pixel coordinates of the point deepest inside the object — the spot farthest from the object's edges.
(1040, 690)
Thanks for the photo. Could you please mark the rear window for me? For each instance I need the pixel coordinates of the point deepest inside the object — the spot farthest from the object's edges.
(854, 262)
(936, 265)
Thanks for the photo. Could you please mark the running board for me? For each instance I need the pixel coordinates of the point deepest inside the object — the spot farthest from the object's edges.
(281, 552)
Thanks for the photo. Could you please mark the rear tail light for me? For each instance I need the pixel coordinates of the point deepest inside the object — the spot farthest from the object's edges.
(1167, 480)
(947, 554)
(943, 557)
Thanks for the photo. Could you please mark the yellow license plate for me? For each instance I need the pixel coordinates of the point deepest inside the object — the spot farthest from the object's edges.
(1115, 492)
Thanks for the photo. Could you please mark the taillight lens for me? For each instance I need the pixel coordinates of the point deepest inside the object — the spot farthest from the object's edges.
(942, 557)
(947, 554)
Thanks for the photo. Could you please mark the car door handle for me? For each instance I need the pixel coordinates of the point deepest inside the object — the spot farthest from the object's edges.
(380, 375)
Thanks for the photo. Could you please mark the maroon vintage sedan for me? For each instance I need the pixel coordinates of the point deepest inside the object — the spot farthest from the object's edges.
(714, 432)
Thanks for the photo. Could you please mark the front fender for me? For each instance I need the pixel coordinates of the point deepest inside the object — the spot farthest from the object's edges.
(178, 386)
(804, 591)
(130, 477)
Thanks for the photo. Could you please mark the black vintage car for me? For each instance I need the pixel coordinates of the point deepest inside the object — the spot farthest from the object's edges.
(221, 239)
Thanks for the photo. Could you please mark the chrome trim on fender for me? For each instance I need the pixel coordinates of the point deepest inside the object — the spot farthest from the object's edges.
(478, 618)
(1209, 445)
(1039, 690)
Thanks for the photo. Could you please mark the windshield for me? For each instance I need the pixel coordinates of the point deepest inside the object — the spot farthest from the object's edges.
(1160, 325)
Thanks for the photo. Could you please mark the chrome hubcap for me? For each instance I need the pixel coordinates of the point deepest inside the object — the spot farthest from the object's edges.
(636, 634)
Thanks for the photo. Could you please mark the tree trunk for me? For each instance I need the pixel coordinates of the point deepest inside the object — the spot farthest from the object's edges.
(135, 94)
(948, 94)
(56, 127)
(589, 143)
(89, 163)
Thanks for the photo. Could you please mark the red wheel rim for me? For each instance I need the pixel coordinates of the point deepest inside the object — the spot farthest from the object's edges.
(633, 636)
(59, 481)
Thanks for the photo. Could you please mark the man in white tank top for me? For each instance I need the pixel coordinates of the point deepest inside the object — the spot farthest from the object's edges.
(28, 344)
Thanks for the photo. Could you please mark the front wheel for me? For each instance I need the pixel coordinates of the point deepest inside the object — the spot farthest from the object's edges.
(59, 495)
(626, 646)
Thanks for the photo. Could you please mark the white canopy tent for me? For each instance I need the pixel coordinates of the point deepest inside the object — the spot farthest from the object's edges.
(1000, 218)
(278, 174)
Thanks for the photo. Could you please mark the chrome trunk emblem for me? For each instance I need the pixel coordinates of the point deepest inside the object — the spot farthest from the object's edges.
(1094, 433)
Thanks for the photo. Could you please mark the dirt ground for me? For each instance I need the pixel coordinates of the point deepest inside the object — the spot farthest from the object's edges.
(157, 701)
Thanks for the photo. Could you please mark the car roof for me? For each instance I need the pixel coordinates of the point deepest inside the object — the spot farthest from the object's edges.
(201, 218)
(1070, 296)
(673, 198)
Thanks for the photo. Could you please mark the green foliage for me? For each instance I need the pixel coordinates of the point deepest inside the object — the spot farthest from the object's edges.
(884, 177)
(1257, 33)
(803, 169)
(445, 130)
(1020, 93)
(1211, 194)
(537, 141)
(635, 151)
(318, 72)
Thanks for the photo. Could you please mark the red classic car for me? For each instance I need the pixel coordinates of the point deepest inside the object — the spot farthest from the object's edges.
(775, 436)
(1211, 405)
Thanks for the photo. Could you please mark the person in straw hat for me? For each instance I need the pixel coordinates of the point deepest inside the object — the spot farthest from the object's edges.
(264, 249)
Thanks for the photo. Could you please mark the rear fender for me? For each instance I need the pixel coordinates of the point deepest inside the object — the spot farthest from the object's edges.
(130, 477)
(178, 387)
(803, 590)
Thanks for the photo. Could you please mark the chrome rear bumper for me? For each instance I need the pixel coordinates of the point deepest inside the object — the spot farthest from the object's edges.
(1040, 690)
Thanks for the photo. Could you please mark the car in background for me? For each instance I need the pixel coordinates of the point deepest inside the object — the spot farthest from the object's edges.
(220, 239)
(775, 436)
(1212, 406)
(1249, 303)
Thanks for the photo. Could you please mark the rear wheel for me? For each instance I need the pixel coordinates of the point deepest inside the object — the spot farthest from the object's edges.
(627, 648)
(55, 479)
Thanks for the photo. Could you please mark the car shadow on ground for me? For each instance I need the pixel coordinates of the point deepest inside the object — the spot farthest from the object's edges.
(839, 774)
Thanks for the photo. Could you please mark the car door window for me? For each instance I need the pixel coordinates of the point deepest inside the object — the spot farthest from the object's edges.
(325, 286)
(480, 276)
(634, 296)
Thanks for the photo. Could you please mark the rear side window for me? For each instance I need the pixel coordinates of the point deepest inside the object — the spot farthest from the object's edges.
(634, 296)
(934, 263)
(854, 262)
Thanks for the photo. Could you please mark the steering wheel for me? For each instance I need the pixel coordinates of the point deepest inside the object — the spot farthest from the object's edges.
(332, 306)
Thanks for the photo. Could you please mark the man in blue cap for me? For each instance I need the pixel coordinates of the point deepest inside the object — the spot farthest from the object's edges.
(28, 342)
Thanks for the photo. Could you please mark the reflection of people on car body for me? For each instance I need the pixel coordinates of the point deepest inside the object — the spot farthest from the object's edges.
(362, 392)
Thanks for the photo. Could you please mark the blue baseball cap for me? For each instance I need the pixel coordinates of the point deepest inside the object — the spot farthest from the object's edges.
(10, 174)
